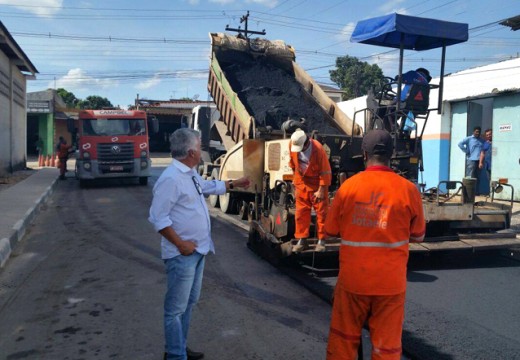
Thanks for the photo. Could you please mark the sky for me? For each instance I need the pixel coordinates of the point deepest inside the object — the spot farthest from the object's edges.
(160, 49)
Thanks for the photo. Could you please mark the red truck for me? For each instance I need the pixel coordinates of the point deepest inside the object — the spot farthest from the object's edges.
(112, 144)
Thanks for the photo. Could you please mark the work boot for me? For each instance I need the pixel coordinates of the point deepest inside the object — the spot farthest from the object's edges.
(320, 246)
(193, 355)
(300, 246)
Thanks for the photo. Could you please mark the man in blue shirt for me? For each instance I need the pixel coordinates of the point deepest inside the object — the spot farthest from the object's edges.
(485, 154)
(472, 146)
(419, 76)
(179, 213)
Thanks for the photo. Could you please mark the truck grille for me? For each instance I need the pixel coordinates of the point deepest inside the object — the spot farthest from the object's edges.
(115, 157)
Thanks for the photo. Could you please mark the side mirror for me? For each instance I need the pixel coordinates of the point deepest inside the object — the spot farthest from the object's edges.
(71, 128)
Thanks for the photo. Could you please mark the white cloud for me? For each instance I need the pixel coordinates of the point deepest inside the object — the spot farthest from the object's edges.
(222, 2)
(191, 74)
(78, 80)
(345, 33)
(392, 6)
(38, 7)
(266, 3)
(149, 83)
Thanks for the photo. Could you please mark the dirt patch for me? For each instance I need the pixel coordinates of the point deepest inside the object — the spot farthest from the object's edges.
(9, 180)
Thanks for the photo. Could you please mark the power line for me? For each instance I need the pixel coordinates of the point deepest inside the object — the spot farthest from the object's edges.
(109, 38)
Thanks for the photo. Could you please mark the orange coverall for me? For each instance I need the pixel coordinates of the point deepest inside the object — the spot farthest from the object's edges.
(376, 213)
(63, 155)
(318, 173)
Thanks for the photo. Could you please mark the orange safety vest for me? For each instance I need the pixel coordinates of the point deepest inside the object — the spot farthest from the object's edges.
(318, 172)
(63, 151)
(376, 213)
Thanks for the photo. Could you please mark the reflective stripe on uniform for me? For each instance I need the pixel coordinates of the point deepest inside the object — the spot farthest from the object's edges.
(345, 336)
(417, 238)
(373, 243)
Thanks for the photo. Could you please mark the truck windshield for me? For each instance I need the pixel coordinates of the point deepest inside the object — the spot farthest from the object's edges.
(110, 127)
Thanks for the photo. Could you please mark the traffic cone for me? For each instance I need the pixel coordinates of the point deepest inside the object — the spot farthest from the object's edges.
(40, 160)
(48, 161)
(53, 160)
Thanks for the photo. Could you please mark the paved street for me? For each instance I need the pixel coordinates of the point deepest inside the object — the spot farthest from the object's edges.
(87, 282)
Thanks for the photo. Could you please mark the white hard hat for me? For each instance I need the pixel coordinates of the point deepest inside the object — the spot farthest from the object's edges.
(298, 139)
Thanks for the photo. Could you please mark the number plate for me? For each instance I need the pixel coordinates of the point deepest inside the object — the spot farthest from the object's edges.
(116, 168)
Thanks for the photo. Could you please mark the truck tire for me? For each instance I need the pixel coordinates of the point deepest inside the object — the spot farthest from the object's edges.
(143, 180)
(227, 203)
(83, 183)
(214, 199)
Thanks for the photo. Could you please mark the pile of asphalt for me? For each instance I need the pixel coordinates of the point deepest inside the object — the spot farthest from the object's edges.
(272, 95)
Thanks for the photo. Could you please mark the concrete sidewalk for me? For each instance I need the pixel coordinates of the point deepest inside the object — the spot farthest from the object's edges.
(20, 203)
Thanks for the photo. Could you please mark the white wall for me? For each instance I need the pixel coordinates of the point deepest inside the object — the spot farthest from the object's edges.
(5, 119)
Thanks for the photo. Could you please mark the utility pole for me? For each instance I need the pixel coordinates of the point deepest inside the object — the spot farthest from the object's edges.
(244, 33)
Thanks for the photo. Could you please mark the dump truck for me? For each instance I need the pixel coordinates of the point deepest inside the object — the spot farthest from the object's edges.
(112, 143)
(262, 95)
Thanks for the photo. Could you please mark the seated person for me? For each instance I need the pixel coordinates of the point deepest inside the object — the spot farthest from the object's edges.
(418, 76)
(384, 106)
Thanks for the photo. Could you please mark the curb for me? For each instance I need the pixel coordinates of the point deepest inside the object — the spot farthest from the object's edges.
(9, 244)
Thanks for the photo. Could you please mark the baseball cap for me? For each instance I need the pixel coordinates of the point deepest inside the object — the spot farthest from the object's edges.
(425, 72)
(378, 142)
(298, 139)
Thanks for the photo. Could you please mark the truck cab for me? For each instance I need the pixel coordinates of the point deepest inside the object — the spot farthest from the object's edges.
(112, 144)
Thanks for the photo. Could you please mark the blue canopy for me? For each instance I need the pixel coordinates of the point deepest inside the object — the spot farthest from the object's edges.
(419, 33)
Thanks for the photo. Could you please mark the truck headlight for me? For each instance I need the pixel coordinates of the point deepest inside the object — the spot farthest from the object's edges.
(86, 166)
(144, 164)
(143, 153)
(86, 155)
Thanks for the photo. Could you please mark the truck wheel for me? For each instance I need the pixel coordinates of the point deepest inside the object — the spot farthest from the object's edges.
(143, 180)
(213, 199)
(243, 212)
(227, 203)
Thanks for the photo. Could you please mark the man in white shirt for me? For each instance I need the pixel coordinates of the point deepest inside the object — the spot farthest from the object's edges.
(179, 213)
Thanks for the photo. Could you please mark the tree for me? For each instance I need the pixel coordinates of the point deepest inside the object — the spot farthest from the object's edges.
(355, 77)
(94, 102)
(69, 98)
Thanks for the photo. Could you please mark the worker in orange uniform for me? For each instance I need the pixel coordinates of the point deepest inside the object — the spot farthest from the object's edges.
(63, 155)
(376, 213)
(312, 177)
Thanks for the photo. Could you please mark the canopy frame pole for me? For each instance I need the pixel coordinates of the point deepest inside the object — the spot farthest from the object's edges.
(441, 81)
(400, 80)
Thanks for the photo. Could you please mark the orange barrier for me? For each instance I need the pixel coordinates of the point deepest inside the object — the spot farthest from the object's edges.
(48, 161)
(40, 160)
(53, 160)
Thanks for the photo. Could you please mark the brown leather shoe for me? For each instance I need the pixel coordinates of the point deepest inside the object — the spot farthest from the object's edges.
(194, 355)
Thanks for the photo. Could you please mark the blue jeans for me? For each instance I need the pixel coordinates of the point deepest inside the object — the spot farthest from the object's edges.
(184, 283)
(472, 168)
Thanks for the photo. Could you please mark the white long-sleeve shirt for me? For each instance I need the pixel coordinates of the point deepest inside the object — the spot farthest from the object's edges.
(178, 201)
